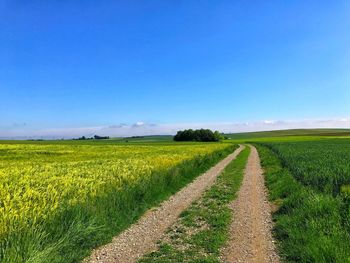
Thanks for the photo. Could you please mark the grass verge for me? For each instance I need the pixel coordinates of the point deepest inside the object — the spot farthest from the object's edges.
(202, 229)
(309, 224)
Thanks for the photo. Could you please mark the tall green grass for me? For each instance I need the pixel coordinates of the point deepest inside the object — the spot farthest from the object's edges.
(322, 166)
(312, 222)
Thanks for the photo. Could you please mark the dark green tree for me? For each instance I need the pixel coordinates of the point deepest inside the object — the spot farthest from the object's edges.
(201, 135)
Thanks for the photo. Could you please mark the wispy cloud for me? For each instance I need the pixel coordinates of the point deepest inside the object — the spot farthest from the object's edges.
(21, 124)
(138, 124)
(143, 128)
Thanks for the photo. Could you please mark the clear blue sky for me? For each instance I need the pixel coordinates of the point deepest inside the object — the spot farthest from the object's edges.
(91, 63)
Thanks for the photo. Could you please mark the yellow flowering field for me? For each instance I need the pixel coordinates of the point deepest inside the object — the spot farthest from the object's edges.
(59, 197)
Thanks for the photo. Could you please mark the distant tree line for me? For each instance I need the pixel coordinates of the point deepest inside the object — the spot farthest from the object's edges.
(202, 135)
(96, 137)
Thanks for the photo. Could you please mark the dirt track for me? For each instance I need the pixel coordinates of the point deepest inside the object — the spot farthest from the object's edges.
(141, 237)
(251, 238)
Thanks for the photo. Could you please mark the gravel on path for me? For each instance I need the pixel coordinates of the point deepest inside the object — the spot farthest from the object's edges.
(141, 237)
(251, 230)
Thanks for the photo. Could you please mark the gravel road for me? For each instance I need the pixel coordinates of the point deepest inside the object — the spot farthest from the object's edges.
(141, 237)
(251, 239)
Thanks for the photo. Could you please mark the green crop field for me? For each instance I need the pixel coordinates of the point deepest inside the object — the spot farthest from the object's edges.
(58, 199)
(309, 182)
(287, 133)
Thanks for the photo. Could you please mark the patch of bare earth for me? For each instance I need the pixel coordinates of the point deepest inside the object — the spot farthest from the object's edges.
(251, 238)
(141, 237)
(179, 233)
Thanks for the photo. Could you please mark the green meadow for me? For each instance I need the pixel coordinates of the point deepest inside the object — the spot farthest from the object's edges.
(308, 178)
(56, 195)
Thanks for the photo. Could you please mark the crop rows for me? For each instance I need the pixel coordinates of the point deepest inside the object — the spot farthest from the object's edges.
(309, 182)
(323, 165)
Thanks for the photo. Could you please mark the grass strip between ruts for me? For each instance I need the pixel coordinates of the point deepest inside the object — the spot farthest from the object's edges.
(202, 229)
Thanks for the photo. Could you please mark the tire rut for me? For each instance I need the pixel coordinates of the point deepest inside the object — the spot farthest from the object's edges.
(251, 230)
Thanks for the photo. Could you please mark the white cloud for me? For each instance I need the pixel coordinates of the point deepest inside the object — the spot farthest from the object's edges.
(269, 122)
(139, 123)
(142, 128)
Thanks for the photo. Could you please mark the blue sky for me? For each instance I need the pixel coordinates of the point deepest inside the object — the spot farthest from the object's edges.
(82, 64)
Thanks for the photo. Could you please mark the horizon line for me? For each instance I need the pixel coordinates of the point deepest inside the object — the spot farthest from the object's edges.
(140, 128)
